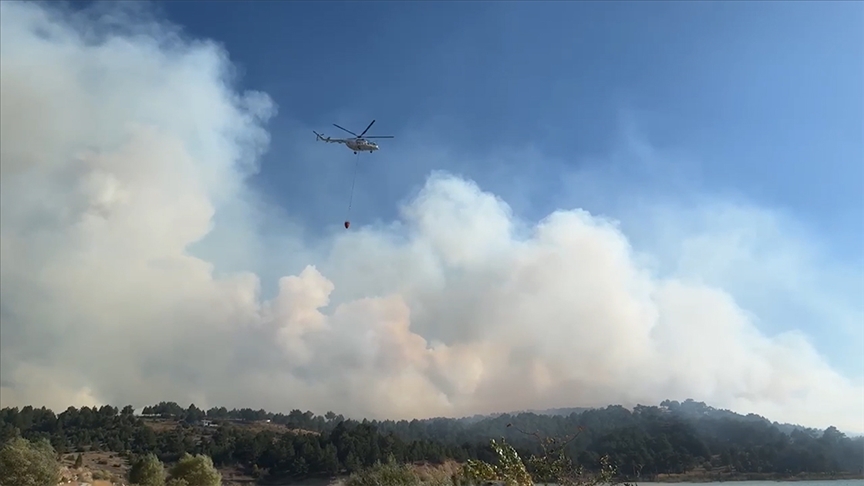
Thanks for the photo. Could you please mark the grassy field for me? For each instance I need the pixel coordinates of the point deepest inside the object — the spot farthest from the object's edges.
(162, 425)
(110, 469)
(107, 467)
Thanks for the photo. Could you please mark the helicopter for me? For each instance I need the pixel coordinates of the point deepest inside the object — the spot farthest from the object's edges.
(357, 144)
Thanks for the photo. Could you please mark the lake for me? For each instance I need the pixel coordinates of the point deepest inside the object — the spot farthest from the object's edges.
(821, 482)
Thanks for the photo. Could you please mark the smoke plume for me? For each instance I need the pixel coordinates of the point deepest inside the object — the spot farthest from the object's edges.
(121, 142)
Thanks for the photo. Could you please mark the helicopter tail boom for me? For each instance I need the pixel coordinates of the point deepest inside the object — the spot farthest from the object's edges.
(321, 137)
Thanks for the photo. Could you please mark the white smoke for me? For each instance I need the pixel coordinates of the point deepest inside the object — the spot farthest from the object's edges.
(116, 151)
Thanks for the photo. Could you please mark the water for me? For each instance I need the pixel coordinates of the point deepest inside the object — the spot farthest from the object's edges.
(767, 482)
(821, 482)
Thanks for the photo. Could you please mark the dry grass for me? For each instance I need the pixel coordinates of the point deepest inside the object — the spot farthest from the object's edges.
(110, 462)
(299, 482)
(160, 425)
(232, 476)
(114, 465)
(163, 425)
(96, 482)
(271, 427)
(435, 473)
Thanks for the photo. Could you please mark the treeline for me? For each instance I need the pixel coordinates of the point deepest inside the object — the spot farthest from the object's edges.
(348, 447)
(642, 443)
(672, 438)
(295, 419)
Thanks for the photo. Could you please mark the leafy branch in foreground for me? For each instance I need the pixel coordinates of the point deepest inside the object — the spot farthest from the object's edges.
(510, 468)
(551, 466)
(26, 463)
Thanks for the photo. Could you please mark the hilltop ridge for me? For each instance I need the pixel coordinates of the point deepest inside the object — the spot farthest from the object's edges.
(671, 441)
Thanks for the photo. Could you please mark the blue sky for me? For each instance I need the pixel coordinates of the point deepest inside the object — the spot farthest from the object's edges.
(760, 101)
(767, 93)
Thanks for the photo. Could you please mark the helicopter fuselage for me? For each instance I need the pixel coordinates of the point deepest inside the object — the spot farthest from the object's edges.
(361, 145)
(356, 144)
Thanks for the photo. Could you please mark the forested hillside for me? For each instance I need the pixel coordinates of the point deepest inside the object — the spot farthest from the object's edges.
(647, 441)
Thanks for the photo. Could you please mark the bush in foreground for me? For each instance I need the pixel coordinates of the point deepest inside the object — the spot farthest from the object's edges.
(147, 471)
(387, 474)
(551, 466)
(391, 473)
(25, 463)
(195, 470)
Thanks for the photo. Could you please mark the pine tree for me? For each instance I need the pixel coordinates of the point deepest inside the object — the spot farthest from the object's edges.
(148, 471)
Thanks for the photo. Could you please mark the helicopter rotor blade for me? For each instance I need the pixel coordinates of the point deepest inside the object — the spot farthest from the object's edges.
(367, 129)
(349, 131)
(379, 136)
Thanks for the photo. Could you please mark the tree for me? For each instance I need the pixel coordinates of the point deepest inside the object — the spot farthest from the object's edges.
(510, 468)
(25, 463)
(194, 414)
(385, 474)
(642, 443)
(551, 466)
(196, 470)
(147, 471)
(352, 464)
(330, 459)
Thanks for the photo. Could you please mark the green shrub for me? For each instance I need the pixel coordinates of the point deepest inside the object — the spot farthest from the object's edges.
(147, 471)
(196, 470)
(102, 475)
(25, 463)
(388, 474)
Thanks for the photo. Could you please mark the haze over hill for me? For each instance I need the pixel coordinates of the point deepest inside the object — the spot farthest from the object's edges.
(676, 441)
(123, 143)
